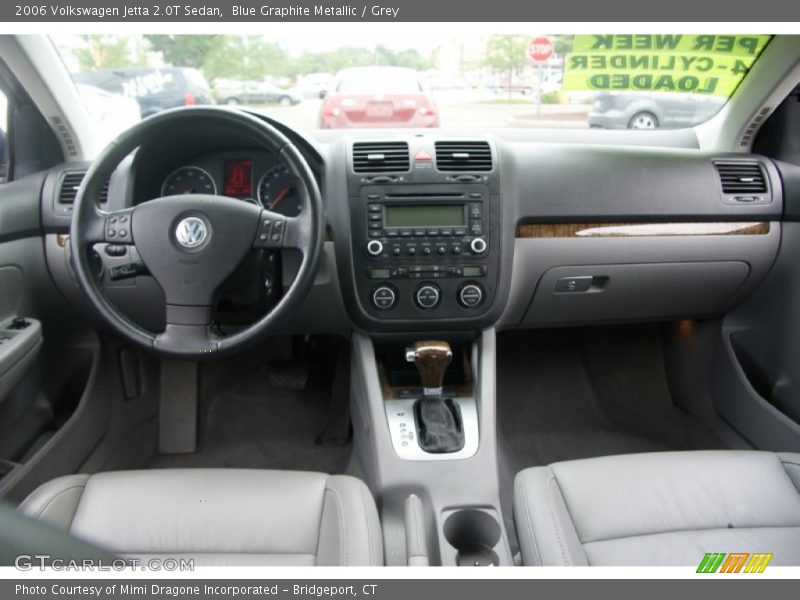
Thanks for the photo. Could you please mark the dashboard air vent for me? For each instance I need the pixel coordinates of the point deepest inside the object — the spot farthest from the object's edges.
(70, 184)
(741, 177)
(463, 156)
(379, 157)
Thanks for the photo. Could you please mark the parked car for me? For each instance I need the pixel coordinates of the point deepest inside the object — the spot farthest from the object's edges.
(504, 86)
(155, 89)
(113, 113)
(378, 97)
(315, 85)
(255, 92)
(634, 110)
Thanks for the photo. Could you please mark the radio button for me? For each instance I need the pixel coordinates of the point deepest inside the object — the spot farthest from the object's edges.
(445, 232)
(427, 251)
(419, 233)
(374, 247)
(441, 250)
(375, 225)
(456, 250)
(460, 232)
(470, 295)
(476, 228)
(375, 234)
(393, 233)
(433, 232)
(384, 297)
(396, 251)
(375, 217)
(411, 250)
(475, 195)
(374, 208)
(428, 296)
(406, 233)
(475, 210)
(478, 246)
(373, 196)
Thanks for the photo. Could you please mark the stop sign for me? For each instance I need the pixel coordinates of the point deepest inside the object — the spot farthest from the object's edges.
(540, 49)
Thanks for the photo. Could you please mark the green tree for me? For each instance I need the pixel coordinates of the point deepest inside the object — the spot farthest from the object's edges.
(247, 58)
(185, 50)
(562, 44)
(107, 52)
(507, 53)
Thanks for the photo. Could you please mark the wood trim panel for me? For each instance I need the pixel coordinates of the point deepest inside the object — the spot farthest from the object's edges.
(623, 230)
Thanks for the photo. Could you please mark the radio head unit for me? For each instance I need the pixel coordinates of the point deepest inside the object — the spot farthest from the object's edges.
(424, 252)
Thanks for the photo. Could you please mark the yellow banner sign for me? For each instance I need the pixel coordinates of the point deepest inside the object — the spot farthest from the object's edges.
(695, 64)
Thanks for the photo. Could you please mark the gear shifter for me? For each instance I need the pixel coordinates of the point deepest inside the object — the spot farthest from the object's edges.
(438, 420)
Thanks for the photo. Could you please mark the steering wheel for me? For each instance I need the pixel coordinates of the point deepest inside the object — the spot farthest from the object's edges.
(191, 243)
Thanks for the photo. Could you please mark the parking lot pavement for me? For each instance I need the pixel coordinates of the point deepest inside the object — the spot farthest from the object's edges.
(461, 109)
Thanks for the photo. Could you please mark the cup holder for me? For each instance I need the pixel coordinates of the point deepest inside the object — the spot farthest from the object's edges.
(474, 534)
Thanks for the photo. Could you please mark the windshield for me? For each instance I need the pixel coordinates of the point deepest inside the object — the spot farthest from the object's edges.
(552, 81)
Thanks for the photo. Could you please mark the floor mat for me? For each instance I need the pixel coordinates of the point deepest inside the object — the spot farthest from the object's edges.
(246, 422)
(578, 393)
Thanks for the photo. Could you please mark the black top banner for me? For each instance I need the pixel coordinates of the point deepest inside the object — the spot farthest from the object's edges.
(205, 11)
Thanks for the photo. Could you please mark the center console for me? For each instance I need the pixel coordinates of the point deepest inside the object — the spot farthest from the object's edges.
(440, 498)
(425, 234)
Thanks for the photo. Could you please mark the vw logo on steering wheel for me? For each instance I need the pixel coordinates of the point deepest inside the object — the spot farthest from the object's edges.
(191, 232)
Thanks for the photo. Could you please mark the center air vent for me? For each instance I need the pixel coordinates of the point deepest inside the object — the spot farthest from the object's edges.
(69, 187)
(380, 157)
(463, 156)
(741, 177)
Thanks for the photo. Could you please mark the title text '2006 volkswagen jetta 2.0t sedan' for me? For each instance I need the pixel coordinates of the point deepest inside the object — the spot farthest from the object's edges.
(468, 325)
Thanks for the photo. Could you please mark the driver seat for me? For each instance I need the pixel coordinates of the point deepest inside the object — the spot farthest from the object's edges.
(217, 516)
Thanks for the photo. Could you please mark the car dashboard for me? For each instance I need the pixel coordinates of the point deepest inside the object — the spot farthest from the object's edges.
(446, 231)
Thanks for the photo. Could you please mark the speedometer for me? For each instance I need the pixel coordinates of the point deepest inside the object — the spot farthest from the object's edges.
(277, 190)
(188, 180)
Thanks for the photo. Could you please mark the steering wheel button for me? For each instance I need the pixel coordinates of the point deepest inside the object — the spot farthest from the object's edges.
(123, 232)
(112, 232)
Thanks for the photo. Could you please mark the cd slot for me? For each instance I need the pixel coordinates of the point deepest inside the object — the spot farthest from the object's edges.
(424, 196)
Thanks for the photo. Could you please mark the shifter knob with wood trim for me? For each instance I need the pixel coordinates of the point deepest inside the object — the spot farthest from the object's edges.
(431, 358)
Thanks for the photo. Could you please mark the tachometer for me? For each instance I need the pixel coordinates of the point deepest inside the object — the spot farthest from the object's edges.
(277, 190)
(188, 180)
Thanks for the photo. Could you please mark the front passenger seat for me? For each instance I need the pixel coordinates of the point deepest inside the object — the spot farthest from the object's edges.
(659, 509)
(218, 516)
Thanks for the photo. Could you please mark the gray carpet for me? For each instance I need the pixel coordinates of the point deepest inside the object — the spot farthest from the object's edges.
(568, 394)
(246, 422)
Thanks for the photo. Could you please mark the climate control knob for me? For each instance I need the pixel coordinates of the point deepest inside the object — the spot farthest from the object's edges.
(384, 297)
(427, 296)
(478, 245)
(470, 295)
(374, 247)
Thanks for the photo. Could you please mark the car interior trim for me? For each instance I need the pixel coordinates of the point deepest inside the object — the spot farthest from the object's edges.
(595, 230)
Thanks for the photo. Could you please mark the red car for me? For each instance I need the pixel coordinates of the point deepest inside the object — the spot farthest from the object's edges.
(378, 97)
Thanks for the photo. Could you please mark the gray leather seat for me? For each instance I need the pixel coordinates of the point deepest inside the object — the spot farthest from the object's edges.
(218, 516)
(659, 509)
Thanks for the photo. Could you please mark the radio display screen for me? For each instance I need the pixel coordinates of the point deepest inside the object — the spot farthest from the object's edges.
(438, 215)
